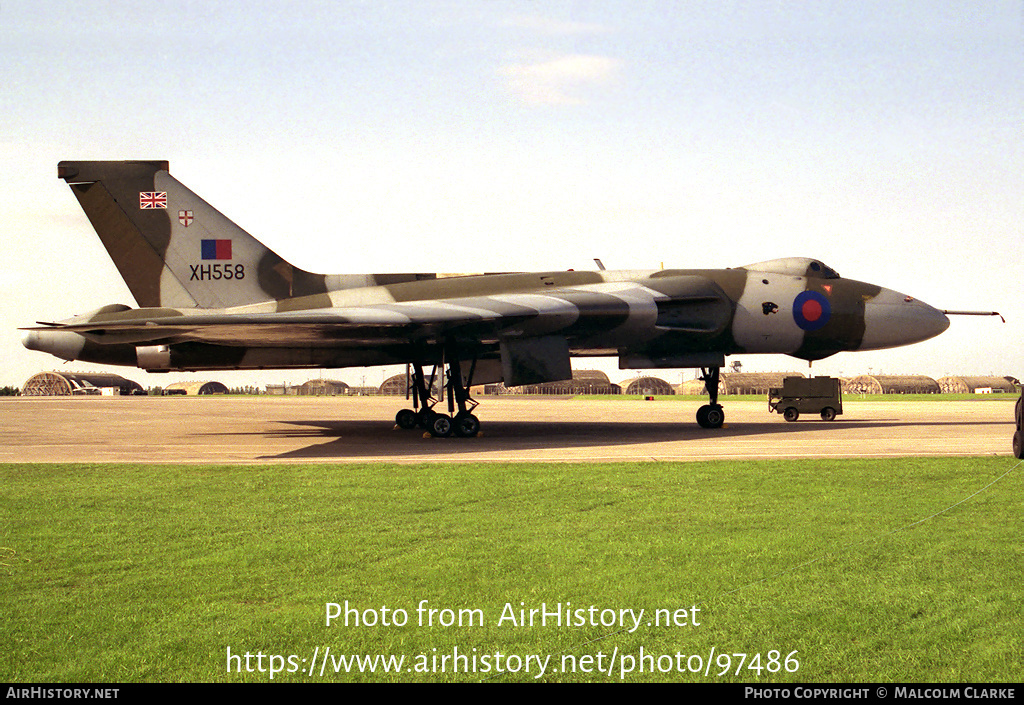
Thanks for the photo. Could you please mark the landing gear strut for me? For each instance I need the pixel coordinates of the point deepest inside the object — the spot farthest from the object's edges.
(711, 415)
(462, 423)
(422, 400)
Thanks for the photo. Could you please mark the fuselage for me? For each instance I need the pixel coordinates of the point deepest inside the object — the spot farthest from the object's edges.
(649, 319)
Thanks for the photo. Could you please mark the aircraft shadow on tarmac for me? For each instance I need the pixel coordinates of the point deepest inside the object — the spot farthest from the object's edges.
(373, 439)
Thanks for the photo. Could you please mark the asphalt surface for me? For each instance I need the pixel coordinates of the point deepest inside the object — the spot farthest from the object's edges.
(361, 429)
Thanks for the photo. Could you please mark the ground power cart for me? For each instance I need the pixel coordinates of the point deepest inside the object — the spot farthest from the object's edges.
(801, 395)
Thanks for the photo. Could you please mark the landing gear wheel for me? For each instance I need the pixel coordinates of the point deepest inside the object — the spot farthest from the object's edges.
(460, 403)
(791, 414)
(407, 419)
(466, 425)
(424, 417)
(441, 426)
(828, 414)
(711, 416)
(1018, 445)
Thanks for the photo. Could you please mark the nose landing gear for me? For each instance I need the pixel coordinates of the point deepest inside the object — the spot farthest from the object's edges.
(711, 415)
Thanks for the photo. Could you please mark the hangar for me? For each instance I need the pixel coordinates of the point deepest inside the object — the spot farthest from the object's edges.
(323, 388)
(647, 386)
(971, 385)
(193, 388)
(399, 385)
(739, 383)
(63, 384)
(891, 384)
(753, 382)
(694, 387)
(582, 382)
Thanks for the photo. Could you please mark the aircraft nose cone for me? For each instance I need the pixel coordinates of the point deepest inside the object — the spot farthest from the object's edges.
(892, 319)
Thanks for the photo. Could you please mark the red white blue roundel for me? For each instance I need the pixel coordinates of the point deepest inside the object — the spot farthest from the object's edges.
(811, 310)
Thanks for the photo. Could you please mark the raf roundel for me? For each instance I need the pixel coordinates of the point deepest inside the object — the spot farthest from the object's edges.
(811, 310)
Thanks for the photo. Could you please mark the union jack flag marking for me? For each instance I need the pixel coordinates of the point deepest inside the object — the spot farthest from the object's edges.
(152, 199)
(185, 218)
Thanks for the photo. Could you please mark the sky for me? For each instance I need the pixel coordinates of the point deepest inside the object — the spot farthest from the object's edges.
(883, 138)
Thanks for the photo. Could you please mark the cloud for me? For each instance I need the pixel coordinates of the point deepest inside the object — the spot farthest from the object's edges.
(563, 80)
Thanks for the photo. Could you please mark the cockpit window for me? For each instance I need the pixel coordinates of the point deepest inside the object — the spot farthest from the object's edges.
(822, 270)
(797, 267)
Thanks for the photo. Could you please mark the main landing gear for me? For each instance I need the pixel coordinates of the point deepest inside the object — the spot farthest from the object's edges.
(711, 415)
(462, 423)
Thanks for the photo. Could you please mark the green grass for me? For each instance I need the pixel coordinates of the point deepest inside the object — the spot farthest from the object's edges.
(124, 573)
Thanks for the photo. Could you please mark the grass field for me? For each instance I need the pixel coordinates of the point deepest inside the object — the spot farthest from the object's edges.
(823, 569)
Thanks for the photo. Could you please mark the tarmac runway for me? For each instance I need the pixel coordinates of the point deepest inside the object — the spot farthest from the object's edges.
(361, 429)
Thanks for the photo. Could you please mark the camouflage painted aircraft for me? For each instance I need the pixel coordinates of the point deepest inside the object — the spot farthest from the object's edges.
(212, 297)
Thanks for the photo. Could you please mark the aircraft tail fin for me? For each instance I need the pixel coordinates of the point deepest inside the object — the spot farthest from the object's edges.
(174, 249)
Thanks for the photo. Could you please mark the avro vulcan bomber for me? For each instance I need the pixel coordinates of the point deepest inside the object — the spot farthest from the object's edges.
(212, 297)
